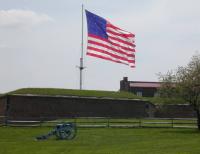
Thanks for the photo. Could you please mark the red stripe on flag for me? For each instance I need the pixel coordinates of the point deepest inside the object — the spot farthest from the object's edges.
(119, 34)
(117, 28)
(109, 47)
(122, 41)
(105, 58)
(110, 54)
(112, 43)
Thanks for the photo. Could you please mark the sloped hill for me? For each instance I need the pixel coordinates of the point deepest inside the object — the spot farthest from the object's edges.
(72, 92)
(95, 93)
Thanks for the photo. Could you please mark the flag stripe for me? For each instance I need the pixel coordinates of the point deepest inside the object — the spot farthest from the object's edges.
(119, 29)
(111, 54)
(128, 39)
(105, 57)
(110, 48)
(105, 51)
(120, 40)
(114, 43)
(119, 34)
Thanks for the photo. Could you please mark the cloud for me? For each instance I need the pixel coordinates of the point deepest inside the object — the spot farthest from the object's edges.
(22, 18)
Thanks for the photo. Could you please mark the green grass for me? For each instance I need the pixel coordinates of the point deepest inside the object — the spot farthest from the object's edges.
(96, 93)
(102, 141)
(161, 100)
(73, 92)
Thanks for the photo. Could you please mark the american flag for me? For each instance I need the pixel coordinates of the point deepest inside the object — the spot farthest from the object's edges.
(109, 42)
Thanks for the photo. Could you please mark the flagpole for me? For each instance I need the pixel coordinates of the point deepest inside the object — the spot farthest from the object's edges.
(81, 67)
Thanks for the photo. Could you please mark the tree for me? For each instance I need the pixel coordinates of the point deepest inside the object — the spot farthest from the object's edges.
(184, 82)
(188, 83)
(167, 89)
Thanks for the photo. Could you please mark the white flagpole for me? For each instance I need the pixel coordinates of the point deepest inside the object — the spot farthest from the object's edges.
(81, 67)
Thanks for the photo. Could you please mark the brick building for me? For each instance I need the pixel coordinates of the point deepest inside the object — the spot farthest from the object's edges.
(140, 88)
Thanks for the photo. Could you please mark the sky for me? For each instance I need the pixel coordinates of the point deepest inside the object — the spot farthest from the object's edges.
(40, 41)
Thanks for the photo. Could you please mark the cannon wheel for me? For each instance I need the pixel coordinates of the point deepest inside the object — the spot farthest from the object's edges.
(67, 133)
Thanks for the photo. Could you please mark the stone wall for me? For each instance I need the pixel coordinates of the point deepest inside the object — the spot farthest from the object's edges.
(34, 107)
(23, 107)
(3, 101)
(174, 111)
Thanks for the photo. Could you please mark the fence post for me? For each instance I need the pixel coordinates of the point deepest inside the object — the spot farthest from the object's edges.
(75, 122)
(108, 122)
(41, 120)
(5, 121)
(172, 123)
(140, 122)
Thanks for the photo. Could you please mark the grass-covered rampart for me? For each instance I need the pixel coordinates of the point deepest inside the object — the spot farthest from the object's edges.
(95, 93)
(73, 92)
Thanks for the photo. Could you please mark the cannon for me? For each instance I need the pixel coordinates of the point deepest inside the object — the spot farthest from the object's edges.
(65, 131)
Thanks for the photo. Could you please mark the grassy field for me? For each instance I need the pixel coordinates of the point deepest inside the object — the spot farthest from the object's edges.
(102, 141)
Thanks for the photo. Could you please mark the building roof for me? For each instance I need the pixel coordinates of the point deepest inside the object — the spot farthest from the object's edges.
(144, 84)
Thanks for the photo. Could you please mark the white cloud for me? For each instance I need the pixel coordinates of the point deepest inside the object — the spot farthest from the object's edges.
(22, 18)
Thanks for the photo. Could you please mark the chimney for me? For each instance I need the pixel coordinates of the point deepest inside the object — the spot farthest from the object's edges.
(124, 84)
(125, 79)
